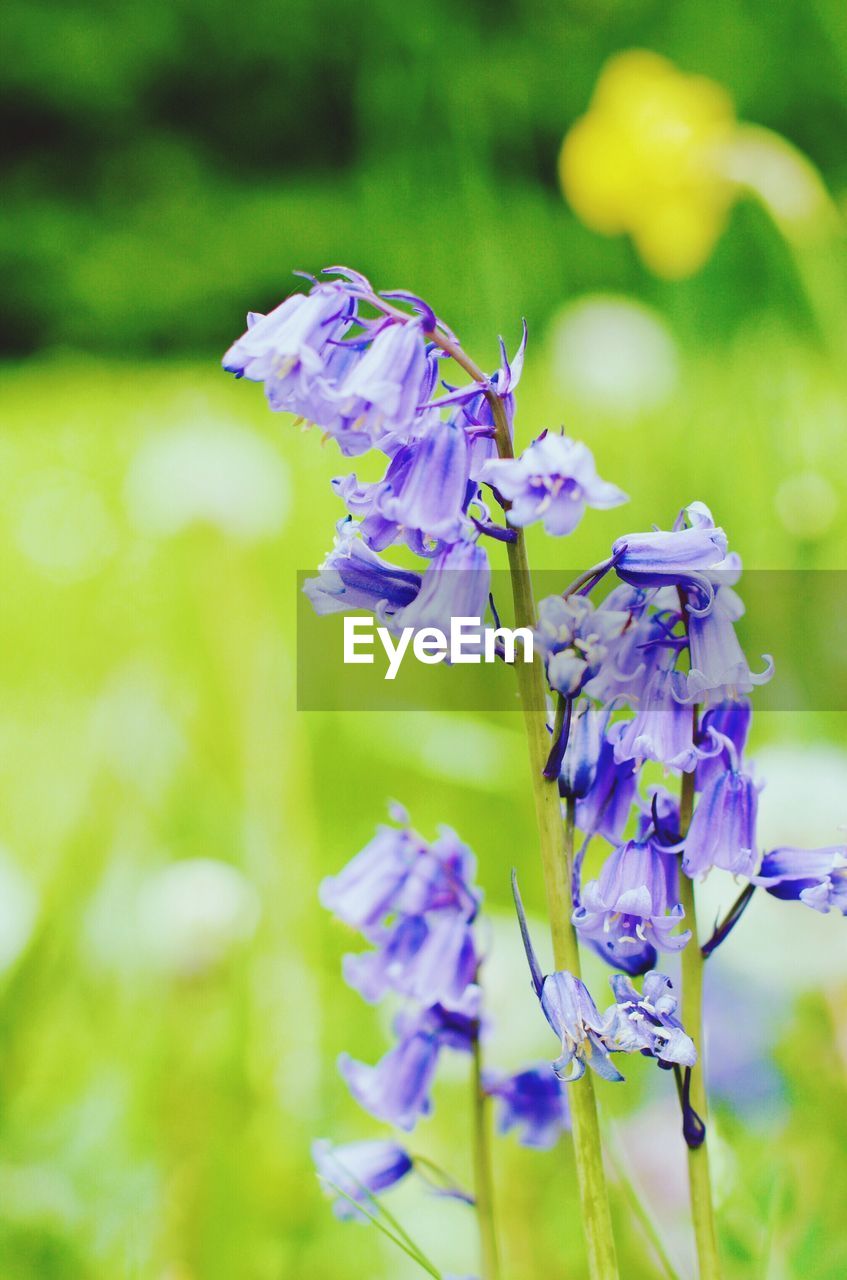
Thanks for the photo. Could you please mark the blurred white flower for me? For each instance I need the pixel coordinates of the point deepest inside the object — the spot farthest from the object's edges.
(193, 914)
(807, 504)
(135, 730)
(613, 354)
(18, 911)
(63, 526)
(215, 473)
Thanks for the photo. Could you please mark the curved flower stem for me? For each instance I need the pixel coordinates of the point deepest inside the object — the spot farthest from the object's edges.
(483, 1182)
(556, 843)
(702, 1210)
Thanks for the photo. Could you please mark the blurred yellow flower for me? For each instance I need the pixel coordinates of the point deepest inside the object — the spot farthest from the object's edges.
(648, 159)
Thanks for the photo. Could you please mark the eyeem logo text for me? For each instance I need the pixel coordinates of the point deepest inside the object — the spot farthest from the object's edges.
(470, 640)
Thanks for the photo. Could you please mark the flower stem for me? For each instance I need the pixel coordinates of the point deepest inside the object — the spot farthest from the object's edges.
(702, 1211)
(483, 1182)
(556, 844)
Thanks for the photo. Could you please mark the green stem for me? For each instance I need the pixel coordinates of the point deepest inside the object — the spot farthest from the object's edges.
(483, 1182)
(556, 845)
(702, 1211)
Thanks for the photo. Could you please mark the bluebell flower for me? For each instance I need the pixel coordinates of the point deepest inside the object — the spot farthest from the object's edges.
(723, 829)
(634, 901)
(553, 480)
(718, 666)
(398, 873)
(729, 719)
(605, 808)
(647, 1022)
(397, 1088)
(360, 1171)
(381, 393)
(578, 771)
(424, 491)
(662, 728)
(533, 1102)
(816, 877)
(353, 576)
(456, 584)
(574, 640)
(679, 556)
(288, 349)
(430, 957)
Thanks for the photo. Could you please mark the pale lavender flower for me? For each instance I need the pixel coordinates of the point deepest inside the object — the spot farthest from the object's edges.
(679, 556)
(723, 829)
(456, 584)
(662, 728)
(634, 901)
(574, 639)
(718, 667)
(430, 957)
(647, 1022)
(382, 391)
(553, 480)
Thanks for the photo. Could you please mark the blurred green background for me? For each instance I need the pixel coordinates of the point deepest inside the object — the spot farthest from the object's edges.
(170, 998)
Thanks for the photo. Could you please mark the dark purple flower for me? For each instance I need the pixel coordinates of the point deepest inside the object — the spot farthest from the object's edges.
(533, 1102)
(647, 1022)
(354, 577)
(397, 1088)
(423, 493)
(553, 480)
(605, 808)
(723, 829)
(586, 736)
(816, 877)
(360, 1171)
(634, 901)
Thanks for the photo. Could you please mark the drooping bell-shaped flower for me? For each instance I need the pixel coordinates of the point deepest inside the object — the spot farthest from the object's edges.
(553, 480)
(679, 556)
(605, 807)
(723, 829)
(430, 957)
(662, 728)
(382, 392)
(289, 347)
(634, 901)
(353, 576)
(533, 1102)
(816, 877)
(718, 666)
(456, 584)
(728, 719)
(647, 1022)
(359, 1171)
(578, 770)
(423, 493)
(397, 1088)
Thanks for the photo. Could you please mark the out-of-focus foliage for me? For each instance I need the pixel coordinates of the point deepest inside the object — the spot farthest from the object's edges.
(168, 164)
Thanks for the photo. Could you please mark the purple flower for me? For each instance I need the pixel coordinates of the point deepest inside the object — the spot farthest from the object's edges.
(634, 901)
(718, 668)
(574, 638)
(647, 1023)
(429, 957)
(723, 829)
(586, 737)
(681, 555)
(423, 493)
(816, 877)
(532, 1102)
(383, 389)
(553, 480)
(397, 1088)
(662, 728)
(456, 585)
(399, 874)
(729, 719)
(604, 809)
(359, 1170)
(353, 576)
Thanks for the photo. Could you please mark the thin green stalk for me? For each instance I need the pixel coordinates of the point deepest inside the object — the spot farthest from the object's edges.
(702, 1210)
(636, 1204)
(556, 845)
(483, 1182)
